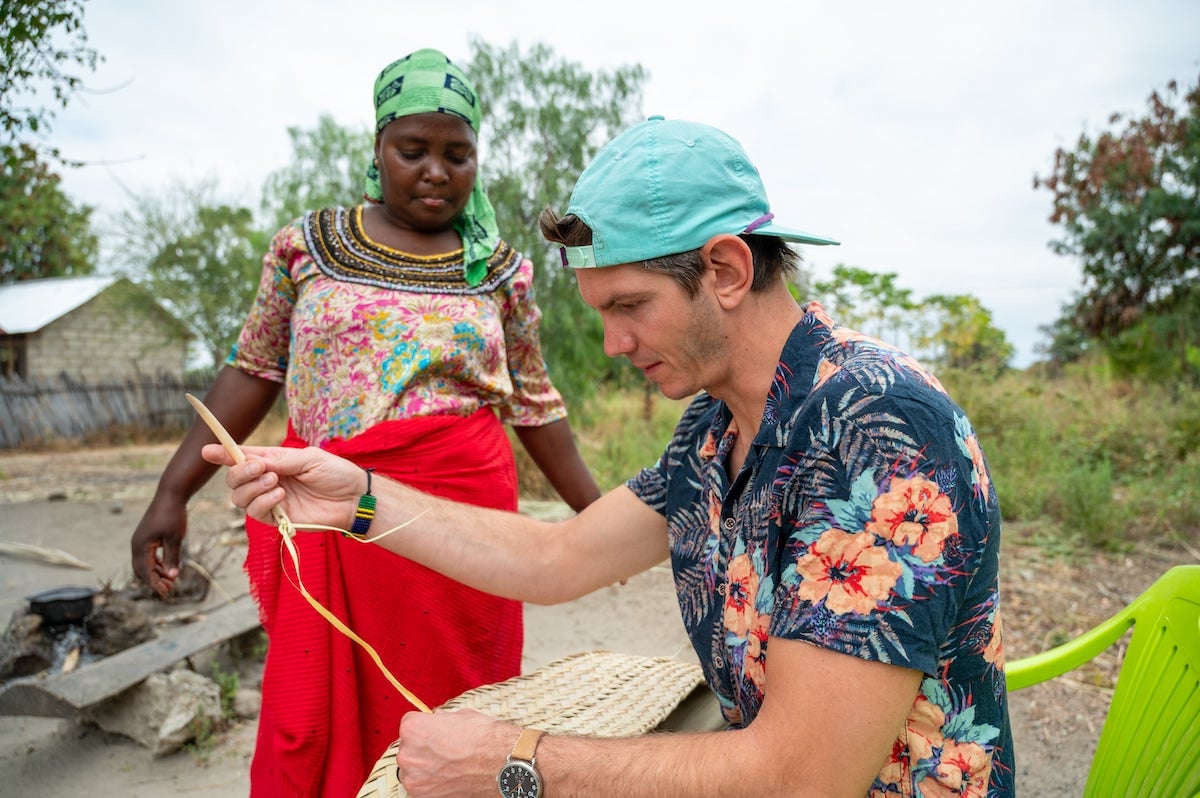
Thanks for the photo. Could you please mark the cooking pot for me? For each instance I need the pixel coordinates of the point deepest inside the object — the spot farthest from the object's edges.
(62, 605)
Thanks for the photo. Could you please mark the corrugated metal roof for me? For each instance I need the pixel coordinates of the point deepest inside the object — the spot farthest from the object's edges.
(29, 306)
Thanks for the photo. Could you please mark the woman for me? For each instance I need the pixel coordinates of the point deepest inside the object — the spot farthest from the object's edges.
(402, 329)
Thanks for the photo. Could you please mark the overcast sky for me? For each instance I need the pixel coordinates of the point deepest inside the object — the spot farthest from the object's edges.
(910, 131)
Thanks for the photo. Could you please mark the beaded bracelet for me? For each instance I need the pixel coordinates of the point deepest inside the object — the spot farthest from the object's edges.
(364, 514)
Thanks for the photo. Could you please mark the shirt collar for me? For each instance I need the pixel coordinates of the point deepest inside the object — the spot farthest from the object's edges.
(799, 370)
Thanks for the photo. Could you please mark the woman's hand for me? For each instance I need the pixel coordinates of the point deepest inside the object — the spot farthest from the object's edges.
(157, 542)
(311, 485)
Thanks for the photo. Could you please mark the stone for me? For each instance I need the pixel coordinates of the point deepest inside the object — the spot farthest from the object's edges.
(164, 712)
(25, 649)
(247, 703)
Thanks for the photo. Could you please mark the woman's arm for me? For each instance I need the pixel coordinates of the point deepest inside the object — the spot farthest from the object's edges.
(241, 402)
(553, 450)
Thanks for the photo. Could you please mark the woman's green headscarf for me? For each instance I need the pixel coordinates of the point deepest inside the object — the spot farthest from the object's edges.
(427, 82)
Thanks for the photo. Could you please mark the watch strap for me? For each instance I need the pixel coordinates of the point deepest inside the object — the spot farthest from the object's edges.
(527, 744)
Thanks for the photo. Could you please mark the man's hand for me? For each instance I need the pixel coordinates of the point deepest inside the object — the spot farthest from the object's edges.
(452, 753)
(311, 485)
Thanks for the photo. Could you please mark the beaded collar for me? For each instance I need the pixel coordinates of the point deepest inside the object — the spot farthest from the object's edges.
(337, 242)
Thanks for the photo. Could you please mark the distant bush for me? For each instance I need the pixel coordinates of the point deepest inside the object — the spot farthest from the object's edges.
(1106, 460)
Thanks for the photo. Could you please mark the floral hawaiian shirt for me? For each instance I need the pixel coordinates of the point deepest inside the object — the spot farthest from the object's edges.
(360, 333)
(864, 521)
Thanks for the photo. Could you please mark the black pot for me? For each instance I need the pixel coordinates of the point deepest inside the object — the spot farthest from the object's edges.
(62, 605)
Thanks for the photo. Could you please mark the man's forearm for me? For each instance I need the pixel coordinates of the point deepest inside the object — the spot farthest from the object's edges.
(515, 556)
(667, 765)
(502, 553)
(498, 552)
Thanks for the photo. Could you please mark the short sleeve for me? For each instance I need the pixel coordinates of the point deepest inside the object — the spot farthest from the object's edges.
(534, 401)
(262, 346)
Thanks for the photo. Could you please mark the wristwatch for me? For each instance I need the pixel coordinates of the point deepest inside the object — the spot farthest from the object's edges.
(519, 778)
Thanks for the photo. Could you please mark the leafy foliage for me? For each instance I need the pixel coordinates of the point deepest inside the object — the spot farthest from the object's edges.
(869, 302)
(203, 255)
(208, 274)
(325, 170)
(544, 118)
(42, 232)
(200, 255)
(1128, 203)
(944, 330)
(963, 336)
(1087, 455)
(35, 58)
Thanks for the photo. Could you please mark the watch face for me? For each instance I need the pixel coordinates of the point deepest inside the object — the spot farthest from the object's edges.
(518, 779)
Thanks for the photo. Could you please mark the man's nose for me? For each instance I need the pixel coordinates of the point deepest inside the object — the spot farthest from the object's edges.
(617, 342)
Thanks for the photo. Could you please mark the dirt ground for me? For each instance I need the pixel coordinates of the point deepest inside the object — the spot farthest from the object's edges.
(87, 503)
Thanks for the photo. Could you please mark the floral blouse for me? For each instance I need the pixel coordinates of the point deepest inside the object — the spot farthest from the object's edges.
(863, 521)
(360, 333)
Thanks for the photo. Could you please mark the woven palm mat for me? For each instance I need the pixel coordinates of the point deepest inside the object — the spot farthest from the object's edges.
(595, 693)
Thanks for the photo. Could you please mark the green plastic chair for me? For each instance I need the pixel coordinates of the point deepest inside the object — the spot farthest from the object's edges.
(1150, 743)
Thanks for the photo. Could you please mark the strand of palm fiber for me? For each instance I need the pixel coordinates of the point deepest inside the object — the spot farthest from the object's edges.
(287, 530)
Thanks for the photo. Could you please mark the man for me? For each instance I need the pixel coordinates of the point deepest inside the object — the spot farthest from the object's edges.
(822, 500)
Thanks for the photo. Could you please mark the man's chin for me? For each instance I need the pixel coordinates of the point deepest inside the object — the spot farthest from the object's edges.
(675, 391)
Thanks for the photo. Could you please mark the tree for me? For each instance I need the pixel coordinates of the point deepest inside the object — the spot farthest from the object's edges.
(870, 302)
(1063, 341)
(209, 274)
(544, 118)
(326, 169)
(945, 330)
(35, 58)
(1128, 203)
(198, 254)
(42, 232)
(963, 335)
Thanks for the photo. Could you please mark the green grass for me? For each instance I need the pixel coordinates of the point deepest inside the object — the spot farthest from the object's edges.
(1110, 461)
(617, 433)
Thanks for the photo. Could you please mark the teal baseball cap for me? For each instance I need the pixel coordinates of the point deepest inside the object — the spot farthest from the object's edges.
(664, 187)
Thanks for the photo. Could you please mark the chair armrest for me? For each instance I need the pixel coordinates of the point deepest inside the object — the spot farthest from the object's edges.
(1045, 665)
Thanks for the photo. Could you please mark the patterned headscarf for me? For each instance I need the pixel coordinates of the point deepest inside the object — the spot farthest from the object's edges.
(427, 82)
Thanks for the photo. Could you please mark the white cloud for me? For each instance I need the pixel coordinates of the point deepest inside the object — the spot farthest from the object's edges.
(911, 131)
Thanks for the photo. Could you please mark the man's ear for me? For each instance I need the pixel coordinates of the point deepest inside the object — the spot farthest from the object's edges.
(731, 266)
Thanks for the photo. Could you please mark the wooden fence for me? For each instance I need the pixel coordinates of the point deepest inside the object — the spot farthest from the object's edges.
(37, 412)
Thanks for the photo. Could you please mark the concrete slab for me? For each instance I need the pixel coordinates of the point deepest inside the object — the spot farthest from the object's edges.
(62, 695)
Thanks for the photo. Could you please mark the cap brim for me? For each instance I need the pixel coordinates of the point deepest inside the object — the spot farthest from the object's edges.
(789, 234)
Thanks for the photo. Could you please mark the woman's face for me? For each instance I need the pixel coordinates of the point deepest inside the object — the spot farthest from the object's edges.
(427, 170)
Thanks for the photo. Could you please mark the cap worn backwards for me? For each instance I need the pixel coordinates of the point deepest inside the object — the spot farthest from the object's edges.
(667, 186)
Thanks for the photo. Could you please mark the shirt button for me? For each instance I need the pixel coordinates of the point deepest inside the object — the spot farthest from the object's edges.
(730, 523)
